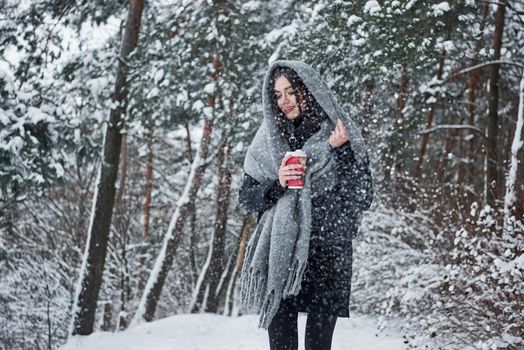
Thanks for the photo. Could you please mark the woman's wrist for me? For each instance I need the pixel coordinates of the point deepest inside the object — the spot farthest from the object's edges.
(341, 147)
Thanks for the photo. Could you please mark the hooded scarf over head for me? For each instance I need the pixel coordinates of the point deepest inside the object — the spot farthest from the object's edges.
(276, 256)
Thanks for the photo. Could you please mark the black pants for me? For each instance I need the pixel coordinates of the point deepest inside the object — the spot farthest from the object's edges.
(283, 332)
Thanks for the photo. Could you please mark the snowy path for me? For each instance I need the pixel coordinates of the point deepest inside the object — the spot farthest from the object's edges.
(215, 332)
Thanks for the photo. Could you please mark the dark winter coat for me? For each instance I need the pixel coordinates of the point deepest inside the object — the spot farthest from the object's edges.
(326, 284)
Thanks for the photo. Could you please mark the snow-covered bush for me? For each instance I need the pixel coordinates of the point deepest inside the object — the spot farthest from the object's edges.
(484, 288)
(454, 284)
(34, 298)
(396, 270)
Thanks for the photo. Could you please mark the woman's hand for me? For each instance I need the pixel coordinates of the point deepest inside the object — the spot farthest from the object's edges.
(339, 136)
(289, 172)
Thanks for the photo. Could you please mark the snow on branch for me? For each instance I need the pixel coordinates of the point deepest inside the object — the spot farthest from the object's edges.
(451, 126)
(482, 65)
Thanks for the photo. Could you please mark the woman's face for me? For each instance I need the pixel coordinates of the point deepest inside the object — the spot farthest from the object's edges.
(287, 98)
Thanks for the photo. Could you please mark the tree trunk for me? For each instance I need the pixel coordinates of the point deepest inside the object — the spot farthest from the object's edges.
(148, 302)
(473, 79)
(147, 206)
(401, 103)
(443, 161)
(149, 185)
(192, 217)
(212, 271)
(125, 289)
(366, 104)
(106, 325)
(242, 244)
(429, 117)
(448, 144)
(395, 181)
(491, 146)
(90, 279)
(510, 197)
(122, 169)
(425, 138)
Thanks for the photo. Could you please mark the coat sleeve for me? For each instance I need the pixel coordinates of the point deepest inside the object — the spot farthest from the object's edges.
(354, 178)
(259, 197)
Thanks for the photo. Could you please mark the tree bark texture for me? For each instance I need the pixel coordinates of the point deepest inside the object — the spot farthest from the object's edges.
(493, 122)
(122, 168)
(90, 278)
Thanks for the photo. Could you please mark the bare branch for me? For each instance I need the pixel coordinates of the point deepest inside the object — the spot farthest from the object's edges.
(482, 65)
(451, 126)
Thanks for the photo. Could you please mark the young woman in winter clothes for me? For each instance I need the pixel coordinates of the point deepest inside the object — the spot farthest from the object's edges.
(299, 259)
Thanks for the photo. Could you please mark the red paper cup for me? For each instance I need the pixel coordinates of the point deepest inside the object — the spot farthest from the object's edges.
(297, 157)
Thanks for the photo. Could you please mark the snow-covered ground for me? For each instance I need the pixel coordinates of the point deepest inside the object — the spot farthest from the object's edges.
(215, 332)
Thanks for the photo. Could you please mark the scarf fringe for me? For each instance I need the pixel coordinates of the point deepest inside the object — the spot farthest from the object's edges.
(294, 280)
(254, 293)
(253, 286)
(268, 310)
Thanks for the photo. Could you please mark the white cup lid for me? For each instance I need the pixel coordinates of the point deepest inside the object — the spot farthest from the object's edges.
(297, 153)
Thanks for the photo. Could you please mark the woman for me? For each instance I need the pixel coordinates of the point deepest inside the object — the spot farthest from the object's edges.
(299, 257)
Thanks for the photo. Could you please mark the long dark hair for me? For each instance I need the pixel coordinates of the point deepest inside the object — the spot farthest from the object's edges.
(312, 111)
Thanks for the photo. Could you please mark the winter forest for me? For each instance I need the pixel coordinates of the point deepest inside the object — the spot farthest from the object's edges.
(124, 126)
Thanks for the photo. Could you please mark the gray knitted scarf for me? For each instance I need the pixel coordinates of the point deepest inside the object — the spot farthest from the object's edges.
(277, 252)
